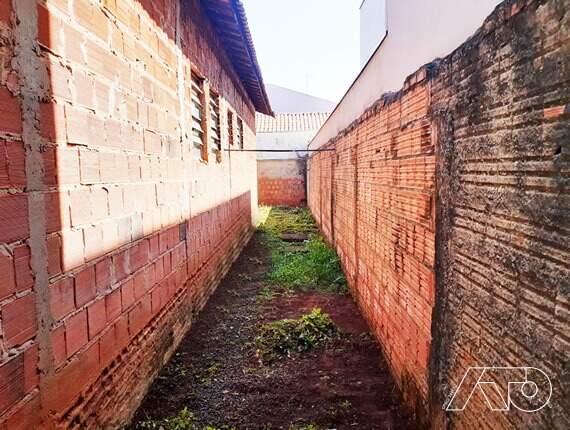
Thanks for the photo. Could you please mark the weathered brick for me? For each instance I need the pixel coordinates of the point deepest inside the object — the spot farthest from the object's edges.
(76, 332)
(85, 287)
(13, 217)
(62, 299)
(12, 386)
(97, 317)
(19, 320)
(7, 279)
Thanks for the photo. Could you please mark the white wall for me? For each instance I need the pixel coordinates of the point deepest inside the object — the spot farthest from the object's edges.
(418, 32)
(291, 140)
(372, 27)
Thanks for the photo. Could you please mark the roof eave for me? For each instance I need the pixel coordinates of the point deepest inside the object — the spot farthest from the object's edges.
(240, 49)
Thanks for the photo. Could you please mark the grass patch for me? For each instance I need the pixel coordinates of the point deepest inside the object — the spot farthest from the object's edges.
(311, 265)
(281, 338)
(282, 219)
(316, 267)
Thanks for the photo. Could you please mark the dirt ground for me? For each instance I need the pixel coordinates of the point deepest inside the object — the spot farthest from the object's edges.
(216, 374)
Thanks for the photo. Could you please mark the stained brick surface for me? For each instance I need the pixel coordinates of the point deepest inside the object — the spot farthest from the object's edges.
(138, 229)
(447, 203)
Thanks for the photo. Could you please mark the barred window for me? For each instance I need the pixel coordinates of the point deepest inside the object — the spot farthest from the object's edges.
(198, 138)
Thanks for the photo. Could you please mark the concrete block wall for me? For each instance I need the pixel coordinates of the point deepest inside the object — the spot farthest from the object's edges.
(448, 204)
(281, 182)
(113, 230)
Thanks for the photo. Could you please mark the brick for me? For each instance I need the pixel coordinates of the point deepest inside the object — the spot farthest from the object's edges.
(89, 167)
(53, 125)
(54, 255)
(7, 278)
(97, 317)
(13, 218)
(85, 287)
(122, 265)
(58, 345)
(108, 347)
(76, 120)
(10, 116)
(12, 165)
(12, 384)
(140, 286)
(76, 332)
(31, 372)
(99, 204)
(80, 207)
(103, 274)
(19, 320)
(62, 299)
(22, 264)
(94, 242)
(127, 294)
(113, 304)
(83, 371)
(73, 249)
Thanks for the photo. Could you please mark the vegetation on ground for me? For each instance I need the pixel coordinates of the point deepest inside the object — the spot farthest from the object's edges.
(283, 337)
(309, 265)
(185, 420)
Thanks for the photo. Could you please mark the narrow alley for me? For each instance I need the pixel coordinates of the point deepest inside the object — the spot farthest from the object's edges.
(224, 376)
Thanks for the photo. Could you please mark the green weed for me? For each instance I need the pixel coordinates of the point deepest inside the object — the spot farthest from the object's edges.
(185, 420)
(317, 268)
(281, 338)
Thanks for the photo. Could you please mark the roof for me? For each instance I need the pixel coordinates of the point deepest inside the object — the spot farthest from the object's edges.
(290, 122)
(285, 100)
(230, 22)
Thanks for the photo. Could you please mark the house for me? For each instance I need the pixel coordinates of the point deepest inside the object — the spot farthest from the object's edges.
(120, 206)
(282, 142)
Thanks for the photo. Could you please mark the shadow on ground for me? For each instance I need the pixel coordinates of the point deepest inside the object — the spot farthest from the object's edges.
(216, 379)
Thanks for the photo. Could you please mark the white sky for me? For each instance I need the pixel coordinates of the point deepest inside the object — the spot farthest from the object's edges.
(310, 46)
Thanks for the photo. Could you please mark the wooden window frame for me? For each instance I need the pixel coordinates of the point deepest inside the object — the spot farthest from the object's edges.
(240, 132)
(215, 125)
(230, 117)
(199, 114)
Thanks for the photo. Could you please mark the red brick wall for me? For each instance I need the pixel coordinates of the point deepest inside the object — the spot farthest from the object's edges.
(447, 203)
(373, 199)
(113, 232)
(281, 182)
(281, 191)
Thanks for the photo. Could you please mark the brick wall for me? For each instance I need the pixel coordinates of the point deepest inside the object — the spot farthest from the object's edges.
(373, 199)
(447, 203)
(281, 182)
(113, 231)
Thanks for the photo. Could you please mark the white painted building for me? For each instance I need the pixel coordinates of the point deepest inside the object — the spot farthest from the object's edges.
(398, 37)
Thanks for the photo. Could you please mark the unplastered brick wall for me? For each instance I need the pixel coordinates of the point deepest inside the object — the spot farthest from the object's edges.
(373, 199)
(447, 203)
(281, 182)
(113, 229)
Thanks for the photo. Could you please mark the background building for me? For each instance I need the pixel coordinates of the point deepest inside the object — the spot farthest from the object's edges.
(298, 116)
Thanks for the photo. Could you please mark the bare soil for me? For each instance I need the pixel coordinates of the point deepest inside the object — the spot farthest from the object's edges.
(216, 374)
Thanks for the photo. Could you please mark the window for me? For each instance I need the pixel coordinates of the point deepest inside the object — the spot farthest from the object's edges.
(215, 129)
(230, 127)
(198, 120)
(239, 135)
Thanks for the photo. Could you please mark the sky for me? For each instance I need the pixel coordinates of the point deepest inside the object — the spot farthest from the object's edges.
(310, 46)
